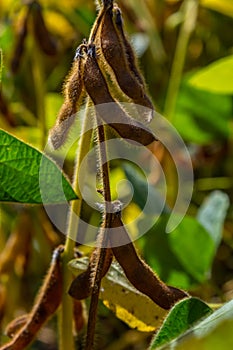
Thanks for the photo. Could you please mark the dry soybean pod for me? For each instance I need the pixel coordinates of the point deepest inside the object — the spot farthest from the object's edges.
(19, 48)
(106, 4)
(137, 271)
(43, 37)
(14, 326)
(106, 107)
(46, 303)
(130, 55)
(82, 285)
(131, 59)
(117, 54)
(79, 315)
(74, 94)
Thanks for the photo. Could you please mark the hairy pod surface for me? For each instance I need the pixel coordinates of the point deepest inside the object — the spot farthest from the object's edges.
(74, 94)
(82, 285)
(46, 303)
(120, 56)
(112, 114)
(15, 325)
(138, 272)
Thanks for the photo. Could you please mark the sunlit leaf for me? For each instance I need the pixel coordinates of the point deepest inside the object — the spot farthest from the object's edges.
(223, 6)
(183, 257)
(129, 305)
(216, 78)
(201, 116)
(181, 317)
(212, 214)
(28, 176)
(141, 188)
(212, 333)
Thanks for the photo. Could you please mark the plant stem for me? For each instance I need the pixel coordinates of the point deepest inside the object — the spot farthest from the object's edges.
(66, 341)
(102, 240)
(39, 85)
(190, 10)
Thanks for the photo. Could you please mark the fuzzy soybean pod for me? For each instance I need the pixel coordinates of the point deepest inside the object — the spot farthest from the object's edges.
(120, 56)
(107, 108)
(82, 285)
(74, 94)
(45, 305)
(43, 37)
(20, 44)
(137, 271)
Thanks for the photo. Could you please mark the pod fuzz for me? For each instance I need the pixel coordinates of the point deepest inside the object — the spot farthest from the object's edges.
(107, 108)
(74, 95)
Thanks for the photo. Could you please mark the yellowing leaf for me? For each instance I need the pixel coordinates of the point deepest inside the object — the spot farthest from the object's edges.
(58, 24)
(216, 78)
(223, 6)
(129, 305)
(128, 317)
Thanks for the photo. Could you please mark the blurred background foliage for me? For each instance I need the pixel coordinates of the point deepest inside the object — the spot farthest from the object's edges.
(185, 50)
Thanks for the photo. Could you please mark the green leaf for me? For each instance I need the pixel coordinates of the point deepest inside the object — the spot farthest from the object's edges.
(222, 6)
(28, 176)
(202, 117)
(180, 318)
(212, 333)
(194, 248)
(142, 188)
(118, 294)
(183, 257)
(212, 214)
(216, 78)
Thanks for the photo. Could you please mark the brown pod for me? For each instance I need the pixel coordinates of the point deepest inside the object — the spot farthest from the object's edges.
(130, 55)
(6, 112)
(43, 37)
(132, 62)
(19, 48)
(118, 54)
(3, 298)
(45, 305)
(74, 94)
(82, 285)
(14, 326)
(137, 271)
(78, 315)
(17, 245)
(106, 107)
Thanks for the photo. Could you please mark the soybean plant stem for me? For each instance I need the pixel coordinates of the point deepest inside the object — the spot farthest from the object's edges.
(190, 10)
(66, 340)
(102, 238)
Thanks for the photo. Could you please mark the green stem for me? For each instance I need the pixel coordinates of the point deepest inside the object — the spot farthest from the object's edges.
(190, 10)
(39, 86)
(102, 240)
(66, 341)
(1, 66)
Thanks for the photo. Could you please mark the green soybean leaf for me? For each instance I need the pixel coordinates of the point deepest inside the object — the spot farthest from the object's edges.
(222, 6)
(28, 176)
(212, 333)
(141, 191)
(183, 257)
(216, 78)
(202, 116)
(212, 214)
(180, 318)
